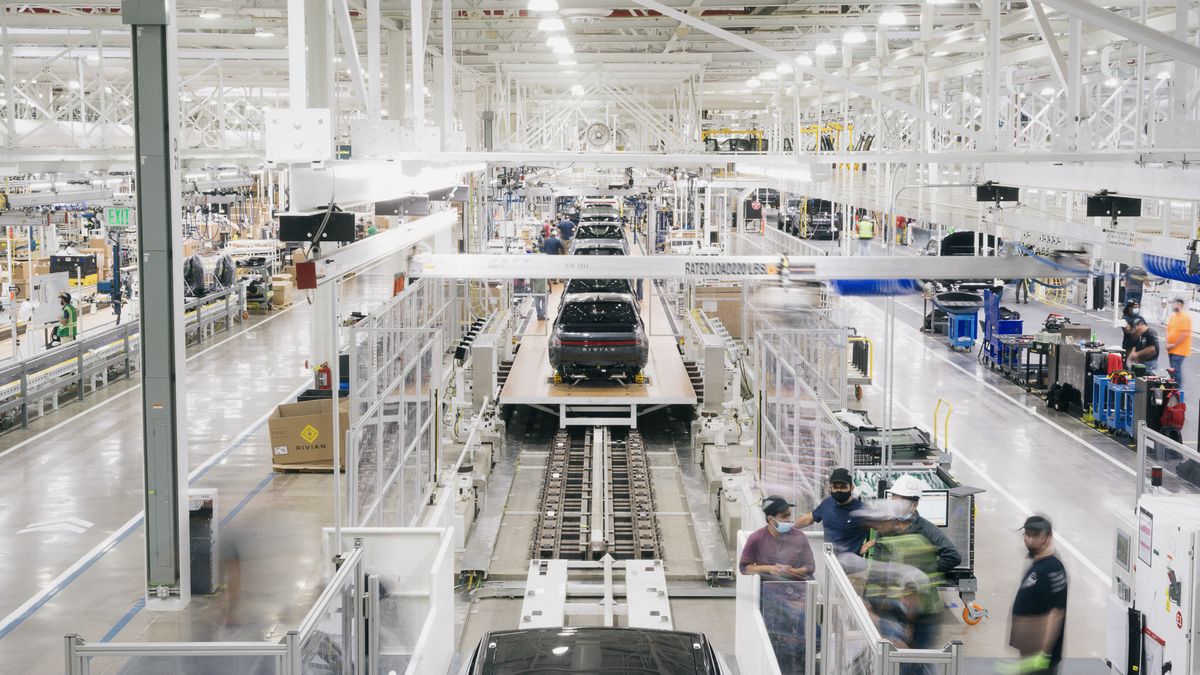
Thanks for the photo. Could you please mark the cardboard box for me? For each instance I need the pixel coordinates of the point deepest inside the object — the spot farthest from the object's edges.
(302, 433)
(724, 303)
(281, 293)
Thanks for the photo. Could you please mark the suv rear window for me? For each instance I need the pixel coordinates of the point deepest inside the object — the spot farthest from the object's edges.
(596, 313)
(597, 286)
(598, 232)
(600, 250)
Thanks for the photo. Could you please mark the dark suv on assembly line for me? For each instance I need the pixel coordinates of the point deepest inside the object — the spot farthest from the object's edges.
(598, 336)
(594, 650)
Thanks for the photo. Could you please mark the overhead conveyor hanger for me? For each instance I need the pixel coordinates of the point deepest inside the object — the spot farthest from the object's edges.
(735, 268)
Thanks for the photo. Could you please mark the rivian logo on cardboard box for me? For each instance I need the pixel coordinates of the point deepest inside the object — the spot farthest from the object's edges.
(309, 433)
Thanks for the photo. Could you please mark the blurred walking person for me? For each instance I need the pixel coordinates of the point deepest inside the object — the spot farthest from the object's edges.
(1039, 613)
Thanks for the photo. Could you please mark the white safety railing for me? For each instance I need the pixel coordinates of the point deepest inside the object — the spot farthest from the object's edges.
(326, 641)
(850, 639)
(775, 627)
(782, 242)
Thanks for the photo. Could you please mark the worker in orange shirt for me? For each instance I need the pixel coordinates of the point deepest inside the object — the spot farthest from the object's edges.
(1179, 339)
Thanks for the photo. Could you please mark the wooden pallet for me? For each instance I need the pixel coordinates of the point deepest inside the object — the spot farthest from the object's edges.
(305, 468)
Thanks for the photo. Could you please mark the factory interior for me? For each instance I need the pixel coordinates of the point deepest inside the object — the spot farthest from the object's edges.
(521, 337)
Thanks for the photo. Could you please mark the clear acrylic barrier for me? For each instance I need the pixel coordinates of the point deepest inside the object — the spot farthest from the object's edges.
(178, 664)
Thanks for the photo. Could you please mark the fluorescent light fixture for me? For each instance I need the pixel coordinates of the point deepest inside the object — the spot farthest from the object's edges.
(551, 25)
(1049, 91)
(577, 89)
(753, 83)
(543, 5)
(263, 33)
(936, 54)
(73, 84)
(1092, 52)
(825, 49)
(210, 14)
(854, 36)
(1163, 75)
(783, 68)
(768, 75)
(892, 18)
(804, 60)
(1110, 82)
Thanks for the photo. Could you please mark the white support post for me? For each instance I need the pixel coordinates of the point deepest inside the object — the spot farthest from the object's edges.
(447, 75)
(297, 55)
(397, 74)
(1074, 70)
(374, 91)
(417, 88)
(991, 95)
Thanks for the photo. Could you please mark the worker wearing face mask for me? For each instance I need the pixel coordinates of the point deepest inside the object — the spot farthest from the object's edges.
(836, 515)
(777, 550)
(781, 555)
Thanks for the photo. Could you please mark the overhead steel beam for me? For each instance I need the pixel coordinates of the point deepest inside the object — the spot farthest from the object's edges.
(1057, 61)
(1140, 33)
(818, 73)
(160, 280)
(729, 268)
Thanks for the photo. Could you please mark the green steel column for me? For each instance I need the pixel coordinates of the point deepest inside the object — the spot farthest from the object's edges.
(164, 440)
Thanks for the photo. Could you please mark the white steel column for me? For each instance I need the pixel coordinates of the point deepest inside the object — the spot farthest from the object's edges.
(397, 74)
(297, 55)
(418, 68)
(318, 40)
(374, 92)
(1074, 70)
(991, 93)
(447, 75)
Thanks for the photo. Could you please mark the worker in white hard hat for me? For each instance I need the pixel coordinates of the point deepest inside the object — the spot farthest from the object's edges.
(906, 491)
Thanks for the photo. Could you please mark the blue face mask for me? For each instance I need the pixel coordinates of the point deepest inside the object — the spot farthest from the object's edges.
(784, 526)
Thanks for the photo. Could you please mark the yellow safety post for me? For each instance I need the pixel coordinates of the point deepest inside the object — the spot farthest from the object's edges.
(945, 423)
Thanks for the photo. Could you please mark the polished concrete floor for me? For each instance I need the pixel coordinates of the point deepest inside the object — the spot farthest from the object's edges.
(84, 576)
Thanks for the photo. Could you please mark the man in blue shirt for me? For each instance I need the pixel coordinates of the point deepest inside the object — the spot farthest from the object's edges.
(835, 515)
(553, 245)
(566, 227)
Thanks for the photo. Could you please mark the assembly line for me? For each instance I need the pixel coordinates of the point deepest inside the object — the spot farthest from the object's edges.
(712, 337)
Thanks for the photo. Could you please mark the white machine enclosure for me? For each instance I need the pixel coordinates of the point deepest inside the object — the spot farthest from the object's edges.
(1156, 557)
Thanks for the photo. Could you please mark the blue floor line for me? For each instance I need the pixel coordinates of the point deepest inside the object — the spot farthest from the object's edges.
(124, 620)
(141, 603)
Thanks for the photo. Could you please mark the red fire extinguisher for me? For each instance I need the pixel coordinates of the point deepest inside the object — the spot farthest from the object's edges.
(324, 377)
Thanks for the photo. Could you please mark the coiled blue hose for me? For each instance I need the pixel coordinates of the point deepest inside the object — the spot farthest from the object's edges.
(875, 286)
(1169, 268)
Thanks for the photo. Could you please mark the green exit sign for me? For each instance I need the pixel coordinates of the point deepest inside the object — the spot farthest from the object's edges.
(119, 216)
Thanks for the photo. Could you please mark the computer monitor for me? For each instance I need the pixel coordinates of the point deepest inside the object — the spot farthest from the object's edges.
(935, 507)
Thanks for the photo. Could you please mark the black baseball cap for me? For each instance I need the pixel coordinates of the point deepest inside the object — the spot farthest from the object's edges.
(841, 475)
(1037, 525)
(775, 505)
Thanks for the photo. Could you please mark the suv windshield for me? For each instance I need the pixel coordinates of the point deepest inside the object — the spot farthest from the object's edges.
(598, 286)
(596, 313)
(598, 232)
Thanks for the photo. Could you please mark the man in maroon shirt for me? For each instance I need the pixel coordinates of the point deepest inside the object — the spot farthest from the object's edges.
(777, 551)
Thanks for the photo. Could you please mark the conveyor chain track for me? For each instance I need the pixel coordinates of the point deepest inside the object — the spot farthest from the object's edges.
(563, 526)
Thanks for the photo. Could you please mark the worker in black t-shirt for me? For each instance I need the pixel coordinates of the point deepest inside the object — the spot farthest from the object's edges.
(1039, 613)
(1144, 348)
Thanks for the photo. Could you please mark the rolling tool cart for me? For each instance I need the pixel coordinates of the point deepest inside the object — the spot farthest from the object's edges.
(996, 326)
(962, 315)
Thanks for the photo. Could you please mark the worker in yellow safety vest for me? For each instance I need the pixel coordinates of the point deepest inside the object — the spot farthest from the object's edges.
(866, 232)
(68, 325)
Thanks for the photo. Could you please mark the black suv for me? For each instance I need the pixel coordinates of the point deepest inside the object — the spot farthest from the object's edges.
(598, 336)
